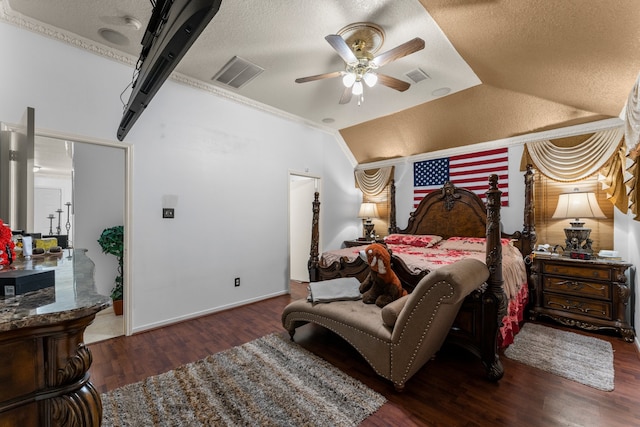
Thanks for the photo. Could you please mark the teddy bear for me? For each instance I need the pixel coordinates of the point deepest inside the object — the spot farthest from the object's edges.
(381, 286)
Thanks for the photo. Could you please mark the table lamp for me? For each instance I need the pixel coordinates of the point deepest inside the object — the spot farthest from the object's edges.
(578, 205)
(367, 211)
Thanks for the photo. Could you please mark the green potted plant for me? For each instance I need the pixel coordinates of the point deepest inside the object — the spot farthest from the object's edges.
(112, 242)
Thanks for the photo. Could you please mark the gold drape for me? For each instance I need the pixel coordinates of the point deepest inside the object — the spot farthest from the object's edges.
(568, 164)
(632, 183)
(612, 179)
(632, 136)
(603, 152)
(372, 182)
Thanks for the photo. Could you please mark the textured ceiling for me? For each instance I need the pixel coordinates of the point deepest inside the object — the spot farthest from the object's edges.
(513, 67)
(543, 65)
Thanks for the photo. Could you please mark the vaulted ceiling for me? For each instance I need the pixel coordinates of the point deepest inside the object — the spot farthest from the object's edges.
(496, 68)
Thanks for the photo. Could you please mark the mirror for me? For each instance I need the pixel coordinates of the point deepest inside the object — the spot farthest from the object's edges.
(53, 188)
(16, 172)
(36, 181)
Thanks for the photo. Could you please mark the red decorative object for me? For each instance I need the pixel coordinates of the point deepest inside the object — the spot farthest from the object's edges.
(579, 255)
(7, 246)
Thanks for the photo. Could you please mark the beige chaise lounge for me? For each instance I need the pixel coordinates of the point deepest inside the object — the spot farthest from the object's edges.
(400, 338)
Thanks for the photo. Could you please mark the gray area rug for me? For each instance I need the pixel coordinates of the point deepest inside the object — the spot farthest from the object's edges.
(270, 381)
(583, 359)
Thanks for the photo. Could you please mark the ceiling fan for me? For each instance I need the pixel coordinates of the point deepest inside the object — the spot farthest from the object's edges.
(356, 44)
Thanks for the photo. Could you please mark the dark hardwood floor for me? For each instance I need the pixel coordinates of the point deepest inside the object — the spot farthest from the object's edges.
(449, 391)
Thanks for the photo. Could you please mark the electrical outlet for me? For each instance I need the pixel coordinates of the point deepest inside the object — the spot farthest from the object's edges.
(167, 212)
(236, 281)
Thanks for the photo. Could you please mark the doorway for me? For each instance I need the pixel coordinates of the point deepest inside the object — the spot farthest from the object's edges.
(97, 168)
(301, 195)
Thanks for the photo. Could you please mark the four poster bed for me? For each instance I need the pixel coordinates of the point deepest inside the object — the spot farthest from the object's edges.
(448, 225)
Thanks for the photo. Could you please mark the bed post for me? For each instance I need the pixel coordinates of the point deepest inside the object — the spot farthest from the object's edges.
(495, 301)
(494, 244)
(393, 226)
(529, 236)
(314, 255)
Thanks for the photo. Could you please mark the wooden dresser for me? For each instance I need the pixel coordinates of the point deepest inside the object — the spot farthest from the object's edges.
(44, 378)
(589, 294)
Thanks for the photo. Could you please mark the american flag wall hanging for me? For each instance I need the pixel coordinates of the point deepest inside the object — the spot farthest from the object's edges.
(470, 171)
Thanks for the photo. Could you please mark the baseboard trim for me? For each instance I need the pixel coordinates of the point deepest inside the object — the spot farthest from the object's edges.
(191, 316)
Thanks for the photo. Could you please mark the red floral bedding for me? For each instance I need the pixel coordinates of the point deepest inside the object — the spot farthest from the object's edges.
(443, 252)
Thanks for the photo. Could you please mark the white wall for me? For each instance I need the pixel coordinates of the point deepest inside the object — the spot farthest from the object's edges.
(227, 163)
(633, 255)
(99, 191)
(626, 235)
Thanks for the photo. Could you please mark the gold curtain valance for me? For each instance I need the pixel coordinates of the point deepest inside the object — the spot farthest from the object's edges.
(567, 164)
(373, 182)
(632, 183)
(612, 179)
(603, 152)
(632, 136)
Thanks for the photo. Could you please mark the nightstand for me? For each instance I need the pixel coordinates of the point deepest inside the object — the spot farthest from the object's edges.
(588, 294)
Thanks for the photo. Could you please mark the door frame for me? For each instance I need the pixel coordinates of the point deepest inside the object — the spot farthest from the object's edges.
(317, 184)
(128, 203)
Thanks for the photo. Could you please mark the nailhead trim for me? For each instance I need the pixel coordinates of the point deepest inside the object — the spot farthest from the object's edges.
(291, 317)
(427, 328)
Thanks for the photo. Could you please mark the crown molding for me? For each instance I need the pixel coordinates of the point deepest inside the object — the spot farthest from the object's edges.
(21, 21)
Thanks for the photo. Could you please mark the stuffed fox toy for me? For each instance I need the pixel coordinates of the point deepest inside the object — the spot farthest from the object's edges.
(381, 286)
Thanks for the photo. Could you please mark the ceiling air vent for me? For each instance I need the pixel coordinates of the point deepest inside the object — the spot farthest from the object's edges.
(237, 73)
(417, 75)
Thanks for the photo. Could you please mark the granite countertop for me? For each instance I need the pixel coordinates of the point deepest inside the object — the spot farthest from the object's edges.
(74, 295)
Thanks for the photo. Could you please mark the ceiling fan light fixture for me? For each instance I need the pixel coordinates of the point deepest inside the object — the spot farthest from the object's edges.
(370, 78)
(357, 88)
(349, 79)
(357, 51)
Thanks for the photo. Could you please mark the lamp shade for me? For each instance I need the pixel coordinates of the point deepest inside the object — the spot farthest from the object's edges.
(368, 210)
(578, 205)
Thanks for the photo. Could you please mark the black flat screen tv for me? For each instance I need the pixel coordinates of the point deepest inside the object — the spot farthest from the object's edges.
(173, 27)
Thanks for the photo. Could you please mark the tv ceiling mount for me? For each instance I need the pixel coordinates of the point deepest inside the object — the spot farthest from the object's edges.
(174, 26)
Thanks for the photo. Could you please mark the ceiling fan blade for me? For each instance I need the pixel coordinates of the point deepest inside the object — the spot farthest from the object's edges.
(399, 51)
(319, 77)
(346, 95)
(393, 83)
(341, 46)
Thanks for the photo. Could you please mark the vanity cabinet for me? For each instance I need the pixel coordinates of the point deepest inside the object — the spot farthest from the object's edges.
(45, 376)
(44, 369)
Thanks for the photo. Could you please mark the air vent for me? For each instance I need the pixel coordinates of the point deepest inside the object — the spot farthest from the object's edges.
(417, 75)
(237, 72)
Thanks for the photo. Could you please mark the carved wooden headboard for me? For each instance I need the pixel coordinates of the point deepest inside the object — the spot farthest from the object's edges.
(450, 212)
(454, 211)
